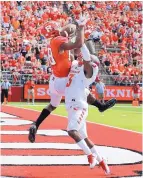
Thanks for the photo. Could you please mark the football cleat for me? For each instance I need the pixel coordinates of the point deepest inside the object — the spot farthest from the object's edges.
(92, 161)
(32, 133)
(108, 104)
(105, 167)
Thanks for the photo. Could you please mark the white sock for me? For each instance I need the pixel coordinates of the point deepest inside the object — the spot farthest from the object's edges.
(82, 144)
(93, 150)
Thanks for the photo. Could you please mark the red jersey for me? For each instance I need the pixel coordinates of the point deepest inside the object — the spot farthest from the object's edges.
(136, 88)
(60, 62)
(30, 84)
(13, 63)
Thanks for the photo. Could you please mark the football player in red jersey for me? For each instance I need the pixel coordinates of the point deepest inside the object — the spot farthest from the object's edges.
(59, 57)
(136, 90)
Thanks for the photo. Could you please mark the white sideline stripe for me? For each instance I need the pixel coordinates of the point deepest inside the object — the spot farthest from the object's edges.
(6, 115)
(12, 121)
(44, 160)
(61, 105)
(86, 121)
(40, 145)
(109, 153)
(39, 132)
(5, 177)
(124, 106)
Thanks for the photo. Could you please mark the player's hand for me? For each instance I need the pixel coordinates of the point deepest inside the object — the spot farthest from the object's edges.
(83, 20)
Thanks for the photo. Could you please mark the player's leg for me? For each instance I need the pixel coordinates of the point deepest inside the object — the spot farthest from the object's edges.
(90, 144)
(101, 106)
(101, 98)
(75, 122)
(2, 96)
(82, 144)
(6, 96)
(28, 96)
(44, 114)
(78, 139)
(101, 161)
(133, 95)
(93, 149)
(32, 93)
(55, 101)
(137, 98)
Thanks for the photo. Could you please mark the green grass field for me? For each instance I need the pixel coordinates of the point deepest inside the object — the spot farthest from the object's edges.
(121, 115)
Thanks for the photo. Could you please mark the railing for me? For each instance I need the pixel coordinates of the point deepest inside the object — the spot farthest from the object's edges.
(20, 79)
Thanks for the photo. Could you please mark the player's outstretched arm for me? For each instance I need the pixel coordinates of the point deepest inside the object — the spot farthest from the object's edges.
(78, 42)
(87, 61)
(79, 36)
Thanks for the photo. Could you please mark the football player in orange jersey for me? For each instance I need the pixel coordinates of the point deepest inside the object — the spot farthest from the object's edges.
(59, 57)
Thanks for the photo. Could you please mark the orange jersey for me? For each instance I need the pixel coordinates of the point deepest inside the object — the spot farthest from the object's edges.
(60, 62)
(30, 84)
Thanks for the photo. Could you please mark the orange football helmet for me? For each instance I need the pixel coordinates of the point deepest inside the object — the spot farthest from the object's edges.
(50, 29)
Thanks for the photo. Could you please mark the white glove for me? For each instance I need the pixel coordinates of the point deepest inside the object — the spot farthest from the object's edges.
(83, 20)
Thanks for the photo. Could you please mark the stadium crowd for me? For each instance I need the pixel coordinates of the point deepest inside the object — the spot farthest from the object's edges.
(114, 24)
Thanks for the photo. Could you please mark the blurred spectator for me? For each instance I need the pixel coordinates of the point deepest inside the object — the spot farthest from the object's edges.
(96, 34)
(5, 89)
(136, 90)
(115, 25)
(100, 89)
(43, 60)
(15, 77)
(30, 92)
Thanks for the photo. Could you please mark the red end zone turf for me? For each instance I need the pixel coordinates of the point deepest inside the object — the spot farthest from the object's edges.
(101, 135)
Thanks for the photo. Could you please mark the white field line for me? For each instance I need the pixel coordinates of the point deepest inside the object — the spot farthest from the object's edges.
(116, 106)
(87, 121)
(61, 105)
(64, 105)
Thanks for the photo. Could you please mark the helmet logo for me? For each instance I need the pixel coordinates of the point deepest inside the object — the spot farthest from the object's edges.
(48, 28)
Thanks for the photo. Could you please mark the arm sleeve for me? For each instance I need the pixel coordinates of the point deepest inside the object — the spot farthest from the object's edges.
(85, 53)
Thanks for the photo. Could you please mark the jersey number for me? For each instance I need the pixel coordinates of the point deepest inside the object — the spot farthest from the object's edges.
(70, 80)
(50, 56)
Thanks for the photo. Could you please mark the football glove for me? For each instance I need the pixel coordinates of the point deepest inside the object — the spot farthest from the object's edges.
(83, 20)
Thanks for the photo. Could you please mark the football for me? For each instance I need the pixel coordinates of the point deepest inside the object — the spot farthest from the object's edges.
(70, 29)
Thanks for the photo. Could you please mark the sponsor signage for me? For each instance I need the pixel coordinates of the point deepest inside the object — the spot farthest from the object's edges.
(121, 93)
